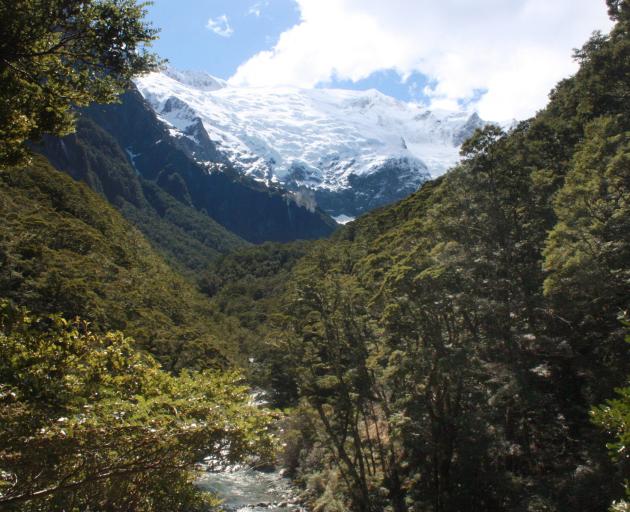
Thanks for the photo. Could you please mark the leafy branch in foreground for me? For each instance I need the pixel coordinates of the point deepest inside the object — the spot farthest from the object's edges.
(88, 422)
(60, 54)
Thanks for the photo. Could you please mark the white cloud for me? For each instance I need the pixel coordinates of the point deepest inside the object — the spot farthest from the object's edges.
(220, 26)
(257, 8)
(515, 50)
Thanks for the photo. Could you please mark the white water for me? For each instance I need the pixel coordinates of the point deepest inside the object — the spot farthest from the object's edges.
(247, 490)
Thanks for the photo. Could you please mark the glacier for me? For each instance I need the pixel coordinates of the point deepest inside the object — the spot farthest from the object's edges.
(352, 150)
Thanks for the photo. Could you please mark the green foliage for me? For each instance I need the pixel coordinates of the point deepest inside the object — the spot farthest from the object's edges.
(87, 422)
(58, 54)
(247, 286)
(447, 350)
(588, 250)
(614, 418)
(590, 244)
(63, 249)
(442, 354)
(187, 238)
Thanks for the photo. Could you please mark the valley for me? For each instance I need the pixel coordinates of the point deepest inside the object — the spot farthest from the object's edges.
(218, 297)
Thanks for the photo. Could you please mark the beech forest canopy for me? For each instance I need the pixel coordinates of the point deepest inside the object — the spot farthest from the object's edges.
(91, 418)
(453, 351)
(462, 349)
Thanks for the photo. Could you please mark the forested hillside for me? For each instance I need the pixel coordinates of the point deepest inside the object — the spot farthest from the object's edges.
(187, 237)
(446, 352)
(64, 250)
(464, 349)
(91, 418)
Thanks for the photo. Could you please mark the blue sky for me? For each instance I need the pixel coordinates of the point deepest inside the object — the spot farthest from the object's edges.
(188, 43)
(252, 26)
(499, 57)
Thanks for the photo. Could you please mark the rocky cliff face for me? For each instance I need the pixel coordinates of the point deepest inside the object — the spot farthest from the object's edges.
(120, 149)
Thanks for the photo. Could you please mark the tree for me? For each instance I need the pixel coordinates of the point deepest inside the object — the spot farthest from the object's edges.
(588, 250)
(56, 55)
(614, 418)
(618, 9)
(89, 423)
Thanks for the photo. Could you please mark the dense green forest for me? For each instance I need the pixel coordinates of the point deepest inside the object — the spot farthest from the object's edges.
(462, 349)
(90, 423)
(64, 250)
(90, 418)
(446, 353)
(122, 419)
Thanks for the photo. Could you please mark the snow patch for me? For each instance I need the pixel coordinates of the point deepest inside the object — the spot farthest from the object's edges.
(343, 219)
(327, 134)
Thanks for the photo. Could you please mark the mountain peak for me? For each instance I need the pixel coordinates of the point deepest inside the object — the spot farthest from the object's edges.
(199, 80)
(332, 141)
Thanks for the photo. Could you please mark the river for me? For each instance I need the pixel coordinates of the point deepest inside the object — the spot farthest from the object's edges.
(243, 489)
(247, 490)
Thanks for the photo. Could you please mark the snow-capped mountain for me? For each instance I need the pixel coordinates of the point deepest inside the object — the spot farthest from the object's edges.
(350, 150)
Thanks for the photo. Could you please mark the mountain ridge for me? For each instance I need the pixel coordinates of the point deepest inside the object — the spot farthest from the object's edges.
(128, 147)
(355, 150)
